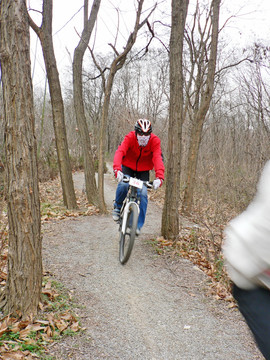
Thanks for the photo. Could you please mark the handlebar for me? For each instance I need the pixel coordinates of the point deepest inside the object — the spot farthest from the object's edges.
(148, 184)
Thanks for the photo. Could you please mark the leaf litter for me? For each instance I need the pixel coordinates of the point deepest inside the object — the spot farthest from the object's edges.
(28, 339)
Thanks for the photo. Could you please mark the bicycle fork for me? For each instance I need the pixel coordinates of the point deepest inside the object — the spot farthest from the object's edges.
(125, 215)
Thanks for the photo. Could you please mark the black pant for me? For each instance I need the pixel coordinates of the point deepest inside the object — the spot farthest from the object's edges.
(142, 175)
(255, 307)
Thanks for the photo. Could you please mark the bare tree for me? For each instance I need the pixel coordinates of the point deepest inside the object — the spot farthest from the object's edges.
(202, 94)
(141, 88)
(257, 92)
(116, 65)
(44, 32)
(170, 215)
(89, 168)
(23, 288)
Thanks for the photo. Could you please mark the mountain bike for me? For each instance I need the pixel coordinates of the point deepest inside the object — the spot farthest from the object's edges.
(129, 215)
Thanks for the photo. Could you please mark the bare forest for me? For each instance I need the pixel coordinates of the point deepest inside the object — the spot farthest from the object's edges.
(212, 114)
(234, 143)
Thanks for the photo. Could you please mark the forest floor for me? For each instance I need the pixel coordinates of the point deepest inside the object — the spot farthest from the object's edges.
(155, 307)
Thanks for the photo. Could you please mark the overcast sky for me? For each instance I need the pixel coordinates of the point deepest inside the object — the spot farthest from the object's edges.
(250, 22)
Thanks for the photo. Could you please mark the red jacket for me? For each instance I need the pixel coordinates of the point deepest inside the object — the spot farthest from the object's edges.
(139, 158)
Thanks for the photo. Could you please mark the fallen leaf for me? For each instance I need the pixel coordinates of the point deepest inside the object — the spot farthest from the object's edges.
(32, 327)
(20, 325)
(61, 325)
(43, 322)
(67, 316)
(3, 275)
(3, 330)
(52, 294)
(10, 355)
(75, 326)
(48, 285)
(51, 322)
(16, 327)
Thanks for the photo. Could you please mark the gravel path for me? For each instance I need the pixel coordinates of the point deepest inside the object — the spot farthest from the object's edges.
(153, 308)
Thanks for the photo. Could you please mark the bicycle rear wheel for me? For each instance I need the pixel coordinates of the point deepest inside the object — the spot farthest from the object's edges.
(128, 237)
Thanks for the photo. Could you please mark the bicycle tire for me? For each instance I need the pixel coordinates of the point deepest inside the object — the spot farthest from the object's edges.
(127, 239)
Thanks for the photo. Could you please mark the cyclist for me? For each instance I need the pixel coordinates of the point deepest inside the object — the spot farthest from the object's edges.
(139, 153)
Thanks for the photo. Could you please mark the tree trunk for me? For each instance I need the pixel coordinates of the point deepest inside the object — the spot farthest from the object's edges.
(89, 167)
(193, 152)
(42, 120)
(103, 135)
(45, 35)
(24, 280)
(170, 215)
(200, 115)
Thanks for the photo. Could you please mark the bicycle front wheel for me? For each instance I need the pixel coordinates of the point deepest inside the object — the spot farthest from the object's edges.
(128, 237)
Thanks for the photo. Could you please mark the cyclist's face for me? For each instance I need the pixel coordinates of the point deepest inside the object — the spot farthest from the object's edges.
(143, 139)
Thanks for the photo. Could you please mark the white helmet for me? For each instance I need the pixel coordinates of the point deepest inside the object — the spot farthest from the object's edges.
(143, 127)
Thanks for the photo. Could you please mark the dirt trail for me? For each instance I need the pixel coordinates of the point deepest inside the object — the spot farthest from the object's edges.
(151, 308)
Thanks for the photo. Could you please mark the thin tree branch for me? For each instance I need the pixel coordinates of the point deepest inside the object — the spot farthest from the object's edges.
(34, 26)
(233, 65)
(100, 70)
(114, 49)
